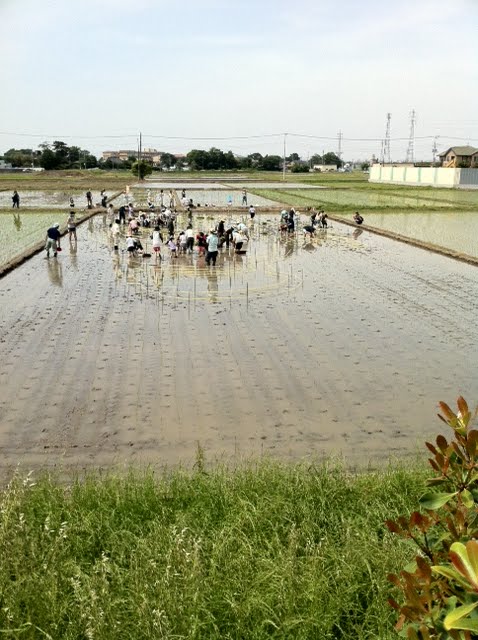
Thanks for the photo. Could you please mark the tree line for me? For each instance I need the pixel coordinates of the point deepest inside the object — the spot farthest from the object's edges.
(58, 155)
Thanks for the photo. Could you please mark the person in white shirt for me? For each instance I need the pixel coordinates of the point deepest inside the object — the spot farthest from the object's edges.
(157, 239)
(189, 239)
(130, 248)
(240, 242)
(115, 233)
(182, 242)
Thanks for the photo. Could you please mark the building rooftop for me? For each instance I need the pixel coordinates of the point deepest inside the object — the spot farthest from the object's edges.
(460, 151)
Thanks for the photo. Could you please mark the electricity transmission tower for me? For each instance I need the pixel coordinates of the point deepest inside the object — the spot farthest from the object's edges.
(411, 138)
(385, 153)
(339, 138)
(434, 149)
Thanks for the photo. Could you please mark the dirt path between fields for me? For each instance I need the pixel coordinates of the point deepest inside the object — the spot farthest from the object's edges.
(335, 346)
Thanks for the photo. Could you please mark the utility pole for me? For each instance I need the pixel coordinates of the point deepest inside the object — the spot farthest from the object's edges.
(411, 138)
(283, 158)
(139, 156)
(339, 138)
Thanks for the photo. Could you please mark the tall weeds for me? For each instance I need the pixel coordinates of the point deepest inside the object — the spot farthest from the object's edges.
(263, 551)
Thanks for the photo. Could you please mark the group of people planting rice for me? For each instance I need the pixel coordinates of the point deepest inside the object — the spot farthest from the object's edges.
(160, 226)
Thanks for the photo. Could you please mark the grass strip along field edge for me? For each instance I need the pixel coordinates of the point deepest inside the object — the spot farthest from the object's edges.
(37, 247)
(265, 550)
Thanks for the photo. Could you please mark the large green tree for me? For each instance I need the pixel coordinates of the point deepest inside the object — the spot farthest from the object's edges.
(141, 169)
(332, 158)
(271, 163)
(167, 161)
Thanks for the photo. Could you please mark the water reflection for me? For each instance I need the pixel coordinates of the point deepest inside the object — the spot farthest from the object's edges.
(456, 230)
(55, 271)
(263, 271)
(74, 253)
(17, 221)
(212, 285)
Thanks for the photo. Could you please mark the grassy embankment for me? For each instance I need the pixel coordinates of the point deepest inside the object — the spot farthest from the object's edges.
(264, 551)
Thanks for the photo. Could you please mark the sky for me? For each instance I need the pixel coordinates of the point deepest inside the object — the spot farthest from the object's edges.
(238, 74)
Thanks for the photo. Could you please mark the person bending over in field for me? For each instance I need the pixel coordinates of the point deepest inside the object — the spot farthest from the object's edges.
(358, 218)
(309, 230)
(53, 240)
(157, 238)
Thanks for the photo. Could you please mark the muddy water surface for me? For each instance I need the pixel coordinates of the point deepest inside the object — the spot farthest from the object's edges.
(457, 230)
(340, 345)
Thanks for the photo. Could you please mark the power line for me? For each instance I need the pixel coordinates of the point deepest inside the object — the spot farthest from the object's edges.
(249, 137)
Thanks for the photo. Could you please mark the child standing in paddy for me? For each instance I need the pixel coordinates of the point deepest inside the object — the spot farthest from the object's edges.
(173, 248)
(71, 225)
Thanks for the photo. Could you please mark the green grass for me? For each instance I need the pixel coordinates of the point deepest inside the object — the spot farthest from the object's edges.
(263, 551)
(371, 199)
(68, 181)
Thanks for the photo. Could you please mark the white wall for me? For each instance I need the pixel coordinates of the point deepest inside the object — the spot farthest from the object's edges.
(419, 176)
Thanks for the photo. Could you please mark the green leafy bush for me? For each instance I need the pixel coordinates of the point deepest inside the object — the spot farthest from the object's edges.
(440, 590)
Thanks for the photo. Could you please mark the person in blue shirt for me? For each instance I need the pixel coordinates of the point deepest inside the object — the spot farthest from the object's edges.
(53, 236)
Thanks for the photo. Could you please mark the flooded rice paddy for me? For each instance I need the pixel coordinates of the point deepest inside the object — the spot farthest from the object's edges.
(21, 231)
(359, 198)
(457, 230)
(47, 199)
(343, 344)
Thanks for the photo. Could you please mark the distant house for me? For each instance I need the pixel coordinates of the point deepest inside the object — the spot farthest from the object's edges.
(4, 164)
(152, 155)
(324, 168)
(459, 157)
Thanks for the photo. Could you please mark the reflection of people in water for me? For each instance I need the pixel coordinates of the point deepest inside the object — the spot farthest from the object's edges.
(357, 233)
(309, 245)
(289, 248)
(55, 272)
(116, 264)
(73, 253)
(17, 221)
(212, 285)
